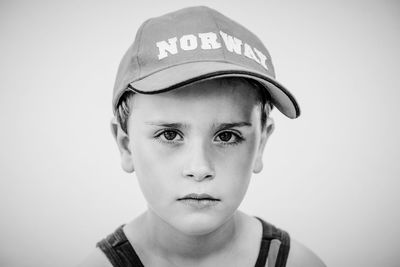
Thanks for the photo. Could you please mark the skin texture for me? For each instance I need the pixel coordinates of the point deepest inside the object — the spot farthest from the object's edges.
(216, 144)
(205, 138)
(204, 156)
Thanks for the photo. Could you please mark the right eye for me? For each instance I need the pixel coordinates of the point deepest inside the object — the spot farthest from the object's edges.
(169, 136)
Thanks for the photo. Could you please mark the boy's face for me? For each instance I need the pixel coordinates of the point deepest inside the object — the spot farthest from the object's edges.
(205, 138)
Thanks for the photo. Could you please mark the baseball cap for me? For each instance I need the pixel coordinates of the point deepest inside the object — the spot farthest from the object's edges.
(194, 44)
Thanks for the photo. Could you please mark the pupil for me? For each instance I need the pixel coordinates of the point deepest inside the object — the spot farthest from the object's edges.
(169, 135)
(225, 136)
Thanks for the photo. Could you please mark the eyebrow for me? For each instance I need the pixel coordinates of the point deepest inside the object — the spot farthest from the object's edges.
(221, 126)
(167, 124)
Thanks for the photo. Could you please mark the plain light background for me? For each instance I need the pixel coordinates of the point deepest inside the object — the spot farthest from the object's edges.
(330, 177)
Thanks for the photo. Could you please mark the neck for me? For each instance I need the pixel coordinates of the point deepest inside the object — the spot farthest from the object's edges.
(167, 240)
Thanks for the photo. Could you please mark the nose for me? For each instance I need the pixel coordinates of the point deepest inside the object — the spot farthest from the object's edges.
(198, 165)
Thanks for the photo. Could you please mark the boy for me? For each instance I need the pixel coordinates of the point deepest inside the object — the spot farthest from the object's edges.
(191, 100)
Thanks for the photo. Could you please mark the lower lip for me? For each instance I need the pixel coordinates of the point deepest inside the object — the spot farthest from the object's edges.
(199, 203)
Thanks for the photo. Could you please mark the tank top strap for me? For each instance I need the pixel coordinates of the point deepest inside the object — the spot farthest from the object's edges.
(274, 247)
(118, 250)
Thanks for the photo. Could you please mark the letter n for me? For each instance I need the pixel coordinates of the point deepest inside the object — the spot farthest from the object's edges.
(163, 47)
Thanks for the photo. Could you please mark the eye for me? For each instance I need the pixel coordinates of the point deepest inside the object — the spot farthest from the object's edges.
(169, 136)
(229, 138)
(225, 136)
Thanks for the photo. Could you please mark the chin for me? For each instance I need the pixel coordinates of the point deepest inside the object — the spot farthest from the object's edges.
(198, 224)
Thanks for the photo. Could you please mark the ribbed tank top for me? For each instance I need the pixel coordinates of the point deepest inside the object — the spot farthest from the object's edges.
(274, 248)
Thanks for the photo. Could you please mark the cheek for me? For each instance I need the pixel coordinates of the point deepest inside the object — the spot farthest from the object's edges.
(235, 168)
(241, 158)
(155, 171)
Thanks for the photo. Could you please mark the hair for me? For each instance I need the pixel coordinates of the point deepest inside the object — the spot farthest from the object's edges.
(124, 106)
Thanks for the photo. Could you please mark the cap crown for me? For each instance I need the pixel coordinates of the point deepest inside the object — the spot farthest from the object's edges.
(193, 44)
(191, 35)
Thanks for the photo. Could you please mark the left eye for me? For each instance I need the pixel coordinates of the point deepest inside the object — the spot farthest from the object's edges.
(170, 135)
(228, 138)
(225, 136)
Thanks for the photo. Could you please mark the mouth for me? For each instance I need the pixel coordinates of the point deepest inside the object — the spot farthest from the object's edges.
(199, 200)
(199, 197)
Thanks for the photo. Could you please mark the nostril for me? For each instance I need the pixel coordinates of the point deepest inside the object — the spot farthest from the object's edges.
(202, 177)
(199, 164)
(199, 175)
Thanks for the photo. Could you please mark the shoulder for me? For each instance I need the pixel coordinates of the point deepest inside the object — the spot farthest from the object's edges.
(96, 259)
(301, 256)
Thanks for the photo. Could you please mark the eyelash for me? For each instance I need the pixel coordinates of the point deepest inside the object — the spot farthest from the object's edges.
(159, 136)
(237, 136)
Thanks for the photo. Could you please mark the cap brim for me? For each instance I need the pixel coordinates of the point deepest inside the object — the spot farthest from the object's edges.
(184, 74)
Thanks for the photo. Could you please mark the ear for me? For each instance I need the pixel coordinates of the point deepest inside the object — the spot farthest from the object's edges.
(266, 133)
(123, 141)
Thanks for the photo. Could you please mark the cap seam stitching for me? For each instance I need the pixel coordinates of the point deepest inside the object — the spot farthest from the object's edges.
(219, 29)
(139, 45)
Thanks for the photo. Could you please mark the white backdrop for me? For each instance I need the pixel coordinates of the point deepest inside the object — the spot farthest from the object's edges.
(330, 177)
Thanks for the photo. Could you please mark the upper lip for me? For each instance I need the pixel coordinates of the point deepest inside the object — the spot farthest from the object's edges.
(198, 196)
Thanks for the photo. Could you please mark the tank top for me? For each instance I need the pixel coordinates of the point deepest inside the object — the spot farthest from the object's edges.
(274, 248)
